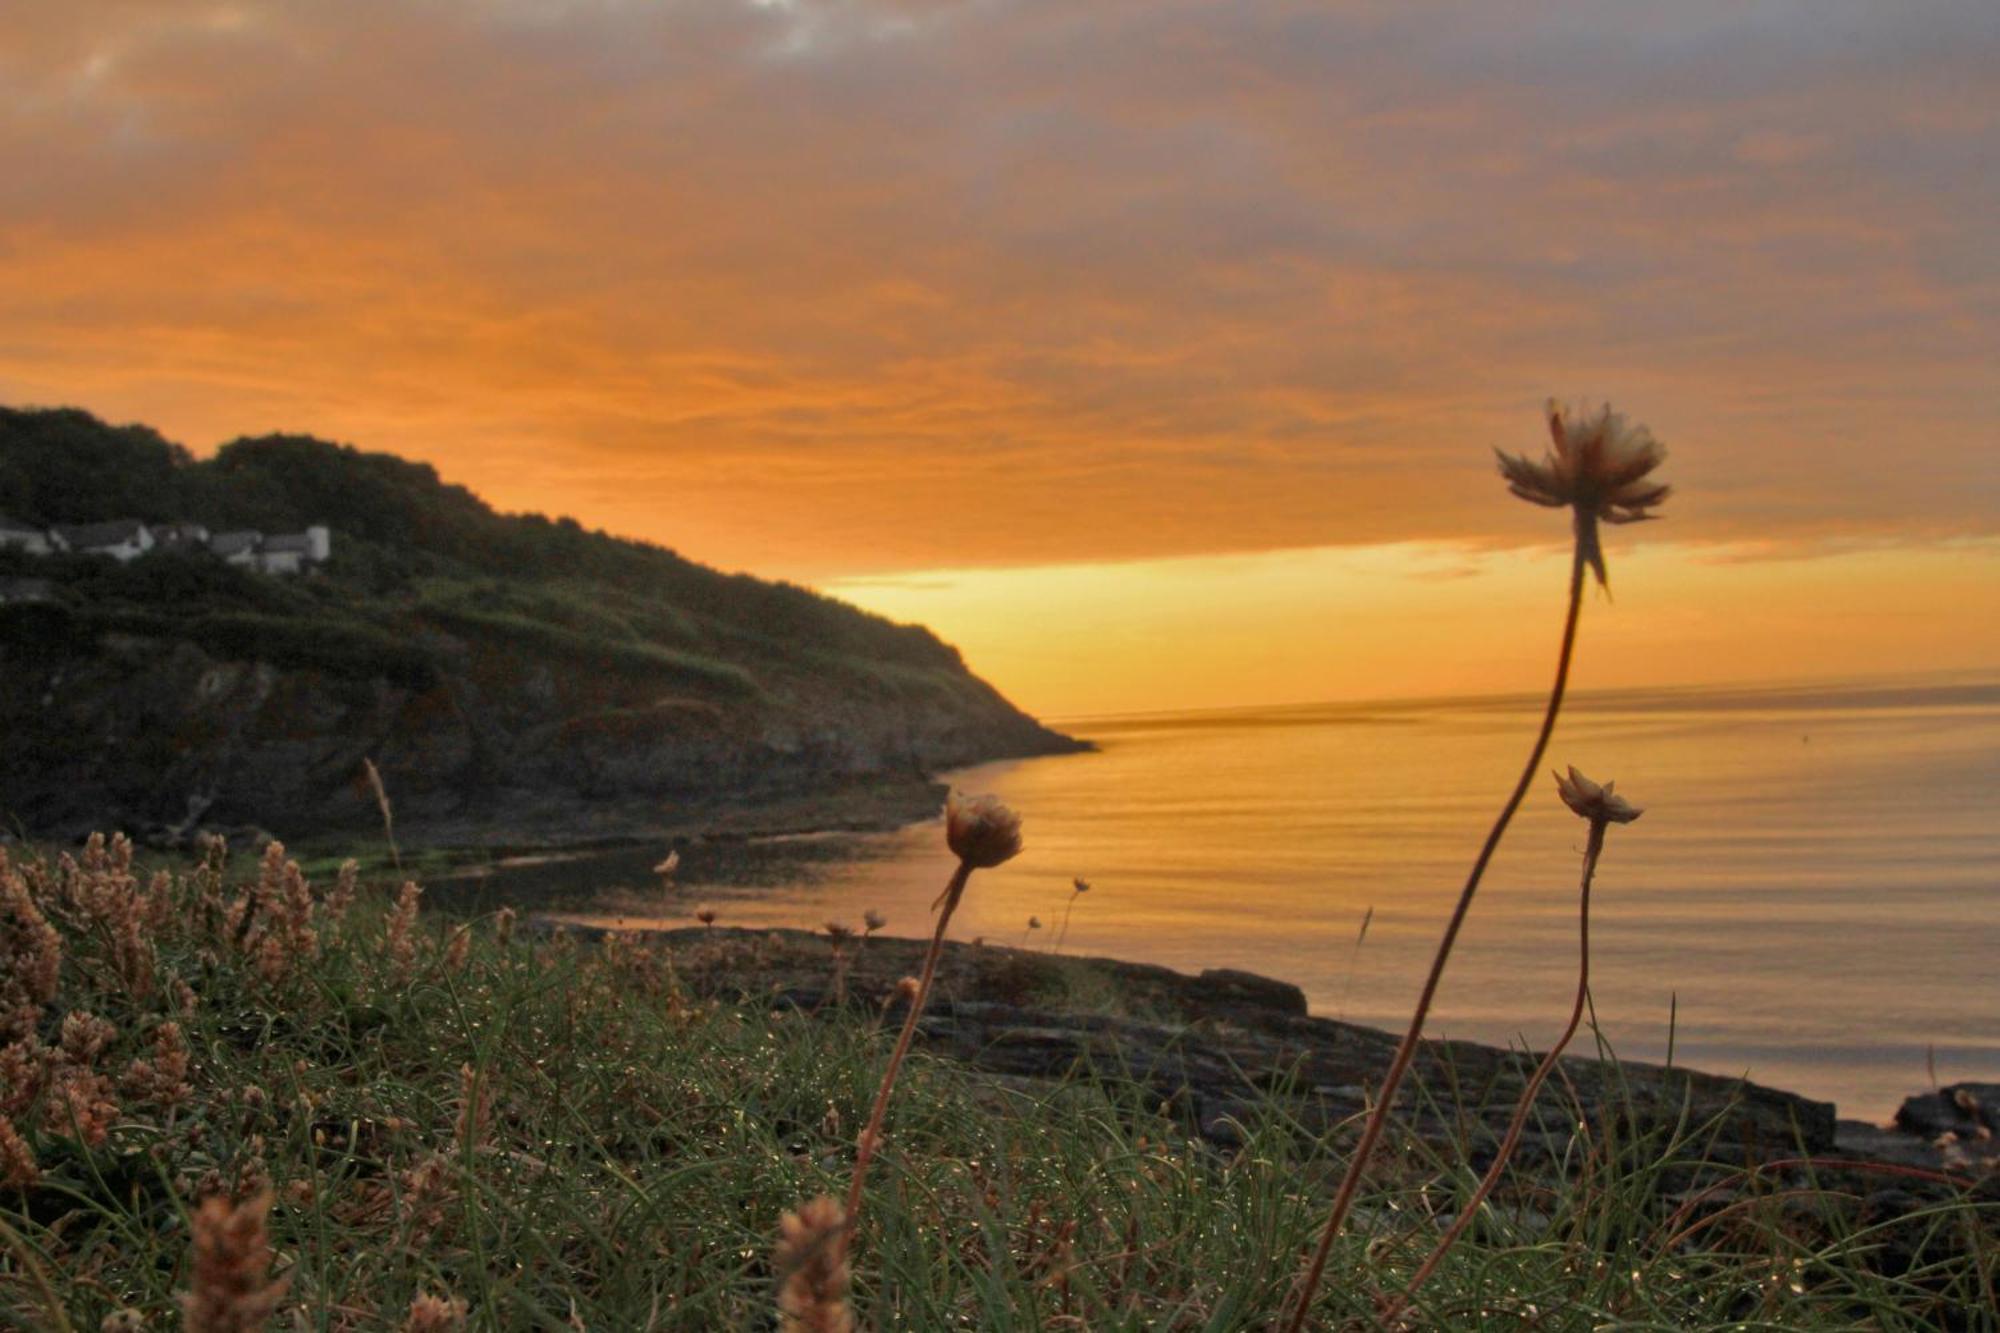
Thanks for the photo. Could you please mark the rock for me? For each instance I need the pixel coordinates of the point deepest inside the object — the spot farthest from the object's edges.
(1230, 987)
(1968, 1110)
(1221, 1049)
(1873, 1143)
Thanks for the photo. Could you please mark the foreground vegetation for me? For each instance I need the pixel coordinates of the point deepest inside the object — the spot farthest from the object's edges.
(462, 1123)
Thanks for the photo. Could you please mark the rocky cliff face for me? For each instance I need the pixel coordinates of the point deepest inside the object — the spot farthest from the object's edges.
(155, 734)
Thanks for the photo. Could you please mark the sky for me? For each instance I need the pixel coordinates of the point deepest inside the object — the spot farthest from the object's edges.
(1152, 351)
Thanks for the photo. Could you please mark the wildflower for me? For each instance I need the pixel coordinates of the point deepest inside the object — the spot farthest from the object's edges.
(1598, 469)
(983, 833)
(1034, 923)
(839, 933)
(161, 1080)
(475, 1103)
(84, 1036)
(18, 1171)
(435, 1314)
(80, 1102)
(30, 956)
(402, 923)
(459, 949)
(23, 1067)
(812, 1261)
(503, 926)
(705, 914)
(232, 1290)
(872, 921)
(1078, 887)
(346, 883)
(981, 830)
(1600, 805)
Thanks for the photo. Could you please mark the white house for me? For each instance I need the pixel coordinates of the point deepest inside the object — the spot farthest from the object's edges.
(122, 539)
(181, 536)
(290, 552)
(237, 548)
(33, 540)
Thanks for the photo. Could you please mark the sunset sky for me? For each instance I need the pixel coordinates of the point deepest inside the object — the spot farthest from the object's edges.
(1152, 351)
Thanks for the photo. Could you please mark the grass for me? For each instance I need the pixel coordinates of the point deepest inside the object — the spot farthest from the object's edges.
(639, 1145)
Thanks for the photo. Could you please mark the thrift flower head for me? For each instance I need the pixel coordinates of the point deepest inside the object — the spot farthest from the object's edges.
(812, 1262)
(1599, 468)
(1599, 804)
(981, 830)
(232, 1290)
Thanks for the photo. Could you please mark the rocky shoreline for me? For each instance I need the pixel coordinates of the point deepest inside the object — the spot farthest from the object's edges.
(1224, 1047)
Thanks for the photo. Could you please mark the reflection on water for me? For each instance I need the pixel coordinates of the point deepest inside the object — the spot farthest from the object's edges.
(1814, 879)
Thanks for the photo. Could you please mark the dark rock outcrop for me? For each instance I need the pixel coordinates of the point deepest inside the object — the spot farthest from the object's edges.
(1222, 1048)
(161, 738)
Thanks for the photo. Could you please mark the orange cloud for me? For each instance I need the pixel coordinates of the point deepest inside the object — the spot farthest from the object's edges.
(823, 289)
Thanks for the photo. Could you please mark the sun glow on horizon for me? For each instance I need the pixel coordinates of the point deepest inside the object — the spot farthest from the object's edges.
(1412, 620)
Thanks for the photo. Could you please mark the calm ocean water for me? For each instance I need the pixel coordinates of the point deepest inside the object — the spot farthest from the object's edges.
(1816, 880)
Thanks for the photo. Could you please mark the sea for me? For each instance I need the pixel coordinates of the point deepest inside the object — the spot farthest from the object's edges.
(1811, 897)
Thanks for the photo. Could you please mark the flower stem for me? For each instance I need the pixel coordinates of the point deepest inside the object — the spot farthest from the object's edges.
(1512, 1138)
(1371, 1132)
(872, 1135)
(1063, 934)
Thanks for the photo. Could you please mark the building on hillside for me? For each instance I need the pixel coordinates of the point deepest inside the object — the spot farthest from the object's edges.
(237, 548)
(121, 539)
(181, 537)
(24, 537)
(291, 552)
(15, 591)
(277, 553)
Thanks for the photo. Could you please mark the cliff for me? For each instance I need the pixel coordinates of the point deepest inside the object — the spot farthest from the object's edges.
(514, 678)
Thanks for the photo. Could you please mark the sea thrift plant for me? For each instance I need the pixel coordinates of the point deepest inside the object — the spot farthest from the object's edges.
(1602, 807)
(232, 1289)
(982, 832)
(1078, 887)
(811, 1262)
(1599, 467)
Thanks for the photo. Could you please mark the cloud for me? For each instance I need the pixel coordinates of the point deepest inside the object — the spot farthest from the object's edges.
(822, 287)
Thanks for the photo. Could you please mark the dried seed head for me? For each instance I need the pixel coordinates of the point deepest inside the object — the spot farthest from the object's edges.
(1082, 885)
(1599, 804)
(435, 1314)
(873, 920)
(811, 1262)
(1599, 468)
(1034, 923)
(18, 1171)
(981, 830)
(839, 932)
(705, 914)
(232, 1290)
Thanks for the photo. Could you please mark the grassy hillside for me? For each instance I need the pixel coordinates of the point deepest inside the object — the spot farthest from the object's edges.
(407, 546)
(495, 667)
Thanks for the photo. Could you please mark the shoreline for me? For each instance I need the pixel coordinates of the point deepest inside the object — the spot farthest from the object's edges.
(1223, 1039)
